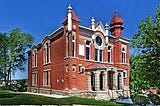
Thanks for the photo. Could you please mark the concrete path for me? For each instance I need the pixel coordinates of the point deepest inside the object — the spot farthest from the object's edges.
(47, 95)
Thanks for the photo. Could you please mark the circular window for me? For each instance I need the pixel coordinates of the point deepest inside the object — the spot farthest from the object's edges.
(98, 40)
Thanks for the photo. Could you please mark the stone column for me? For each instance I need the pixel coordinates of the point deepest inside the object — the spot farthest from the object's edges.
(122, 83)
(115, 80)
(97, 73)
(89, 81)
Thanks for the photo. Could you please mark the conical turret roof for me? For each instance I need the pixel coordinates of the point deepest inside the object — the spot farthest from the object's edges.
(116, 20)
(74, 17)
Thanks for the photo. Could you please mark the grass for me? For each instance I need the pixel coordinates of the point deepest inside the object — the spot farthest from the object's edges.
(17, 98)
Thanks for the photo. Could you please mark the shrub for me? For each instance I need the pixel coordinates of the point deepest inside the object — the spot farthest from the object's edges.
(154, 98)
(140, 100)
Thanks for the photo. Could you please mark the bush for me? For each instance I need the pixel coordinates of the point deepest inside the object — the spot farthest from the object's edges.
(140, 100)
(154, 98)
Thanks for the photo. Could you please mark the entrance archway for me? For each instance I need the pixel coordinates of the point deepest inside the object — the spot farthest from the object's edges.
(110, 79)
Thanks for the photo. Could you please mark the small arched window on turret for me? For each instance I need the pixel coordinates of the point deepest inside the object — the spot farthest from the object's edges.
(73, 44)
(123, 55)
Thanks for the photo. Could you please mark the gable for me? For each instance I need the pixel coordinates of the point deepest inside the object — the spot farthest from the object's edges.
(99, 26)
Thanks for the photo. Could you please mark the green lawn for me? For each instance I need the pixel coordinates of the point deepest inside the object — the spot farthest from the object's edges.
(17, 98)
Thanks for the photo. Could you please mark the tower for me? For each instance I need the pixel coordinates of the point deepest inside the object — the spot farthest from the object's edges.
(116, 25)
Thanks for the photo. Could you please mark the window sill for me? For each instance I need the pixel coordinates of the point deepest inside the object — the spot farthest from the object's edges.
(124, 64)
(34, 67)
(47, 63)
(46, 86)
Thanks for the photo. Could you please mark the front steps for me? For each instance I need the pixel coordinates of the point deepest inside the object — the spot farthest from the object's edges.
(111, 94)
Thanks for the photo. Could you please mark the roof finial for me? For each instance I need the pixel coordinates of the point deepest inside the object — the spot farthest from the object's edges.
(106, 28)
(69, 7)
(93, 23)
(69, 18)
(116, 13)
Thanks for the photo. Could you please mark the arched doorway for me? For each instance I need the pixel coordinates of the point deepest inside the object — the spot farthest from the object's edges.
(119, 81)
(101, 80)
(93, 81)
(110, 79)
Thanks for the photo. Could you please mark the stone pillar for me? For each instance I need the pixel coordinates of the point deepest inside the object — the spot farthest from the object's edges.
(97, 73)
(105, 81)
(121, 80)
(89, 81)
(115, 80)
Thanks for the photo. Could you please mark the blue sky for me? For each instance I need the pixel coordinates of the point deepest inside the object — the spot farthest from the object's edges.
(42, 17)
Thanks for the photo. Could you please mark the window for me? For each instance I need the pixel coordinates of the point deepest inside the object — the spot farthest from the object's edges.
(87, 50)
(73, 45)
(47, 53)
(34, 58)
(46, 77)
(81, 49)
(124, 77)
(34, 79)
(125, 74)
(123, 55)
(109, 54)
(74, 68)
(67, 70)
(98, 55)
(98, 40)
(81, 69)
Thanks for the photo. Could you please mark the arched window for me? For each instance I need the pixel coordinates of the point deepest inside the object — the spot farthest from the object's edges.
(88, 49)
(34, 58)
(123, 55)
(74, 44)
(109, 54)
(46, 53)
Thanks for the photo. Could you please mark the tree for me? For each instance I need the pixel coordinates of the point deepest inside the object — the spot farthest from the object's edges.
(3, 56)
(14, 47)
(145, 63)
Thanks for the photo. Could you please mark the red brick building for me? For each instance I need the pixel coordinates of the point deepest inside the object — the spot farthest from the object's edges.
(83, 61)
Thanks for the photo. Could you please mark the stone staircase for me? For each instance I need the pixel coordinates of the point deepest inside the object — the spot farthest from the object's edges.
(111, 94)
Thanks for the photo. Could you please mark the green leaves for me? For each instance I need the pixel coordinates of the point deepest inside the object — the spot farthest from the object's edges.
(145, 64)
(13, 46)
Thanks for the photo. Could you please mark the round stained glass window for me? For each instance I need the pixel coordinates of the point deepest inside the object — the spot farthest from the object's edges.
(98, 40)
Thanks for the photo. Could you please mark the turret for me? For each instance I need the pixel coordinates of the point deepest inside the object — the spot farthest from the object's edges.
(116, 25)
(71, 18)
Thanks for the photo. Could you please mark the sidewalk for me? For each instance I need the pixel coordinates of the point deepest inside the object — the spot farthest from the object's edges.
(47, 95)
